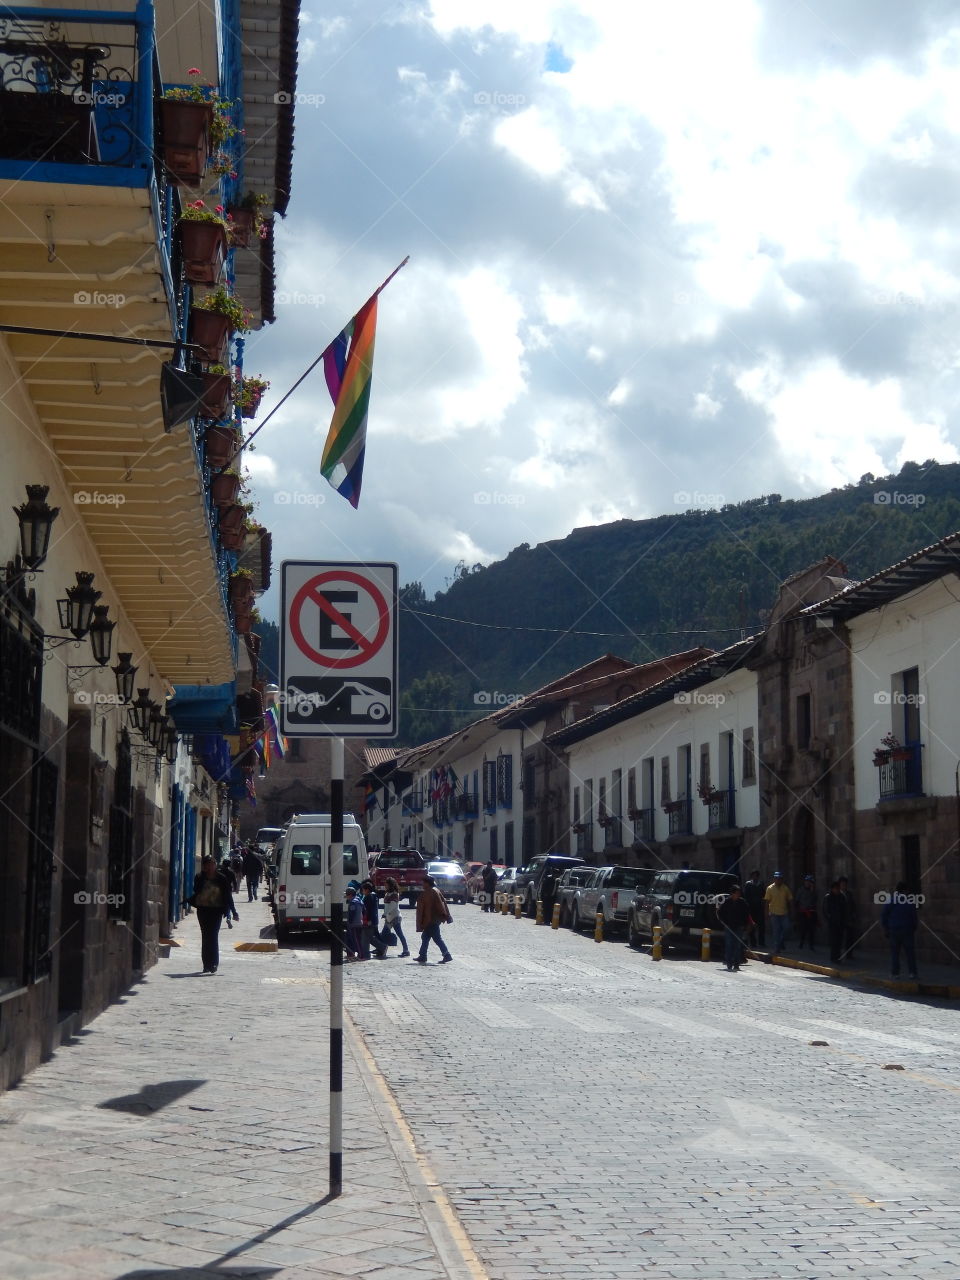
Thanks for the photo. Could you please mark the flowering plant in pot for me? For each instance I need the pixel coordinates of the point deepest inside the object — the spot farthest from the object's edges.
(222, 164)
(241, 591)
(214, 318)
(232, 520)
(203, 242)
(248, 395)
(194, 119)
(246, 219)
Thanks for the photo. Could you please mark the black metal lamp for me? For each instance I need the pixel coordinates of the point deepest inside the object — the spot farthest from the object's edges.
(35, 518)
(101, 634)
(124, 674)
(76, 612)
(171, 744)
(139, 710)
(156, 727)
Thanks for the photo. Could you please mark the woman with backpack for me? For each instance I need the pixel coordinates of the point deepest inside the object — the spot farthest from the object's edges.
(391, 914)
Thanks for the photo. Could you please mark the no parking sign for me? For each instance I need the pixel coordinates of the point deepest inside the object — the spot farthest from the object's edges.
(338, 649)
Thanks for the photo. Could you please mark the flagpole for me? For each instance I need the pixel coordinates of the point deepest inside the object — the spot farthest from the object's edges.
(236, 453)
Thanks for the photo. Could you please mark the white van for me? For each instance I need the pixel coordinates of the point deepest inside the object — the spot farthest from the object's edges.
(303, 895)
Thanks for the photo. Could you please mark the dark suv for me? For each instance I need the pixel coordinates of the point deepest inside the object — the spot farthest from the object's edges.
(683, 903)
(530, 877)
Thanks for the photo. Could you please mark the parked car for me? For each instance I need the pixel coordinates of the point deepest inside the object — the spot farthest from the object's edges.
(304, 876)
(506, 887)
(530, 877)
(450, 880)
(407, 866)
(683, 903)
(610, 890)
(569, 889)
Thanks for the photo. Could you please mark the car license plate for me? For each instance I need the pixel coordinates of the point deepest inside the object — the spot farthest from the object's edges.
(687, 913)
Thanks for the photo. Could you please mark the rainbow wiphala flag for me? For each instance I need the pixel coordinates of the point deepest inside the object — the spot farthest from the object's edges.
(348, 368)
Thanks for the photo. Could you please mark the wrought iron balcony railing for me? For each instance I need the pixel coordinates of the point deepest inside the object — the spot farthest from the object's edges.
(721, 809)
(679, 817)
(901, 772)
(643, 825)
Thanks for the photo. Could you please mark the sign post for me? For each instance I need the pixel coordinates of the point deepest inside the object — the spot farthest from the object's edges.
(338, 679)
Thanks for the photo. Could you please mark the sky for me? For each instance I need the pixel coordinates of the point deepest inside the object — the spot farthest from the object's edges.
(661, 256)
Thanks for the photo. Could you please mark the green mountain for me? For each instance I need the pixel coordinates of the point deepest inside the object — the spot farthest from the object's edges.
(647, 587)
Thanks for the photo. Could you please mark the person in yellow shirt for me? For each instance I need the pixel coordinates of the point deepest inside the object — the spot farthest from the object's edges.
(777, 901)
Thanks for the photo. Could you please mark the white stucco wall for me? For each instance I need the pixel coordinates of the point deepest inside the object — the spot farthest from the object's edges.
(919, 630)
(721, 706)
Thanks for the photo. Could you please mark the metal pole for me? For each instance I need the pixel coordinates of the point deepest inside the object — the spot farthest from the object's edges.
(336, 967)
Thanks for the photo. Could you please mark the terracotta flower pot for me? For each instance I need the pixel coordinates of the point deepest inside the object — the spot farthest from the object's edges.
(216, 394)
(203, 246)
(243, 623)
(224, 490)
(210, 331)
(232, 520)
(250, 410)
(242, 223)
(232, 540)
(220, 443)
(185, 129)
(241, 594)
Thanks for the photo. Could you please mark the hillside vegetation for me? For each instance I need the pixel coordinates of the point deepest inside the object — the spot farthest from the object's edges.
(651, 586)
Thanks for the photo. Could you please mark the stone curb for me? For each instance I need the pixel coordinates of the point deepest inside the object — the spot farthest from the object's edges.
(861, 976)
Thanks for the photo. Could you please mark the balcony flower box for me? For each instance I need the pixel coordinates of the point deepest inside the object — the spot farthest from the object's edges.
(243, 622)
(232, 539)
(203, 244)
(241, 226)
(217, 391)
(225, 489)
(210, 331)
(185, 129)
(233, 519)
(220, 444)
(880, 758)
(249, 394)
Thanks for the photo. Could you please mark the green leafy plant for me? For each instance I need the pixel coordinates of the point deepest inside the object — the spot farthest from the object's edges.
(221, 163)
(225, 304)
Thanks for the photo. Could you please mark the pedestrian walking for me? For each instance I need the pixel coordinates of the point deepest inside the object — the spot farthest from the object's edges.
(371, 916)
(899, 922)
(852, 932)
(212, 899)
(432, 911)
(777, 900)
(835, 914)
(548, 891)
(253, 873)
(229, 870)
(391, 913)
(354, 926)
(734, 914)
(806, 905)
(753, 892)
(489, 878)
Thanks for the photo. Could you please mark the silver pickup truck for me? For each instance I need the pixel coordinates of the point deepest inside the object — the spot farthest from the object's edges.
(609, 890)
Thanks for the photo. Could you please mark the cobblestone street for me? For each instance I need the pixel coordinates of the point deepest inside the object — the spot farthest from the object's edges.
(585, 1111)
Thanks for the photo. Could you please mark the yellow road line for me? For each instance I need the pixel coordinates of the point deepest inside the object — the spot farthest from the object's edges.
(474, 1267)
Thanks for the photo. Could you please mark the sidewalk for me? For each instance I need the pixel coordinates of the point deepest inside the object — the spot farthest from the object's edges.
(183, 1134)
(872, 970)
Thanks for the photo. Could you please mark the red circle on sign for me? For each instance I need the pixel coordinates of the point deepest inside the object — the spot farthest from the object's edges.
(368, 648)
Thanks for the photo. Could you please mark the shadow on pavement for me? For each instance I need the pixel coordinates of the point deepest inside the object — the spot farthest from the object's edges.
(152, 1097)
(222, 1266)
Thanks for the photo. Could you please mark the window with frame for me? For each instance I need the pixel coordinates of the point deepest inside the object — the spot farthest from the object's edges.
(530, 781)
(665, 796)
(505, 781)
(631, 790)
(748, 770)
(489, 786)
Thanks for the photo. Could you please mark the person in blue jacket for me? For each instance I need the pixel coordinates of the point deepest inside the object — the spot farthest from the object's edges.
(899, 922)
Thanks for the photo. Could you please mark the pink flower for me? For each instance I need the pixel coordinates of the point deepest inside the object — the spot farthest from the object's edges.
(194, 71)
(219, 208)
